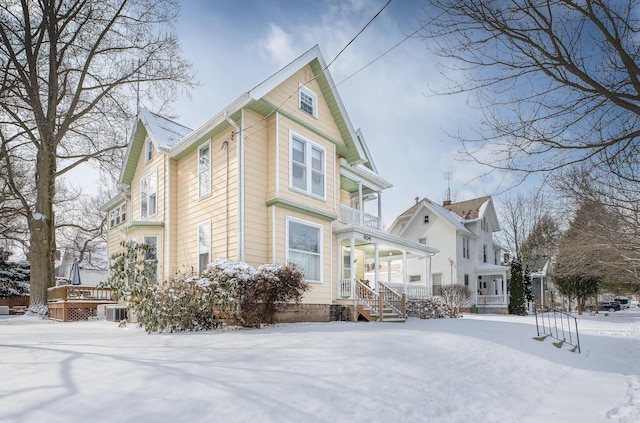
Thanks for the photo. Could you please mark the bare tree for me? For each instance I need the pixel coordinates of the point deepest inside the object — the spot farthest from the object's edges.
(70, 71)
(528, 227)
(455, 296)
(603, 239)
(556, 80)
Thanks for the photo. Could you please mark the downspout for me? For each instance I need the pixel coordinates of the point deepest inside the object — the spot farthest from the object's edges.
(225, 146)
(240, 189)
(167, 236)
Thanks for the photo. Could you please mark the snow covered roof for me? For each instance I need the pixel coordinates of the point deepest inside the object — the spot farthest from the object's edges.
(470, 209)
(165, 132)
(449, 216)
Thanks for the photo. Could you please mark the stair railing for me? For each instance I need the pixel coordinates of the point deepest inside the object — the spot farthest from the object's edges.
(397, 302)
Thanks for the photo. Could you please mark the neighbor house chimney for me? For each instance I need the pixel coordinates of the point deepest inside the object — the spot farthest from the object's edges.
(446, 203)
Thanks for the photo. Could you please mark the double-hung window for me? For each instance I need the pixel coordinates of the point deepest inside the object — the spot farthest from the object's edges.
(149, 195)
(204, 170)
(303, 248)
(465, 247)
(307, 166)
(308, 101)
(204, 245)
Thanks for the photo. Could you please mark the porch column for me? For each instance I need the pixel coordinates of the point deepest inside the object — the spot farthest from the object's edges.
(376, 271)
(379, 210)
(389, 270)
(504, 290)
(339, 267)
(360, 205)
(352, 273)
(428, 278)
(405, 276)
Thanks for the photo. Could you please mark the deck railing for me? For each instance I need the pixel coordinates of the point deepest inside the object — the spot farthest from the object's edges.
(78, 293)
(351, 216)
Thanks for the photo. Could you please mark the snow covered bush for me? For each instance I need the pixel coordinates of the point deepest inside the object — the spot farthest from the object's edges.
(428, 308)
(257, 294)
(227, 291)
(455, 296)
(14, 278)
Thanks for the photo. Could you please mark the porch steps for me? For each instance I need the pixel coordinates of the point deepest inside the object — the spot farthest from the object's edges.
(388, 314)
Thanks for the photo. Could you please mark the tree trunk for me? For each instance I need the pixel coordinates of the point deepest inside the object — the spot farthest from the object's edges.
(42, 228)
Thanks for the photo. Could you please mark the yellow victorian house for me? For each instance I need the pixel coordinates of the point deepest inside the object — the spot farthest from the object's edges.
(279, 175)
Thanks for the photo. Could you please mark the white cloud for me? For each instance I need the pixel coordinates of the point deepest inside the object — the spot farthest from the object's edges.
(278, 46)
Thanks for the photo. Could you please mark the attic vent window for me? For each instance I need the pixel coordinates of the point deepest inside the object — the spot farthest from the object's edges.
(308, 101)
(148, 151)
(426, 218)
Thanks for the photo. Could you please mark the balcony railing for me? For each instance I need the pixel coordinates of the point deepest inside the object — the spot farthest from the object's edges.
(351, 216)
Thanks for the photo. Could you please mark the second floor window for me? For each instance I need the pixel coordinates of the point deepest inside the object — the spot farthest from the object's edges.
(307, 166)
(204, 171)
(149, 195)
(465, 247)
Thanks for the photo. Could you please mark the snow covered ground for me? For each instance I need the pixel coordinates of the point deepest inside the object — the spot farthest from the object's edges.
(478, 368)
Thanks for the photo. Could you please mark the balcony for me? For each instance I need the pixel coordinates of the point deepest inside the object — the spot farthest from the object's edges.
(351, 216)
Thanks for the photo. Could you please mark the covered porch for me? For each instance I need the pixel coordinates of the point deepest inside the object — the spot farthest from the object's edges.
(492, 289)
(373, 264)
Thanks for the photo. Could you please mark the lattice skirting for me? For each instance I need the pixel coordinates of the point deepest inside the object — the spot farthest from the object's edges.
(72, 311)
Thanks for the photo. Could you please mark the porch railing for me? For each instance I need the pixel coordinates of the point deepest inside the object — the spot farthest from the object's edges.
(491, 300)
(344, 288)
(351, 216)
(78, 293)
(414, 291)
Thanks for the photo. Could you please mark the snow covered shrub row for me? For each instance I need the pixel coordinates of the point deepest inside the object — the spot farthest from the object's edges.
(14, 278)
(227, 291)
(428, 308)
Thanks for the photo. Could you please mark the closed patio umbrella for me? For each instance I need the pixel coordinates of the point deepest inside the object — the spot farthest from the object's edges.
(75, 273)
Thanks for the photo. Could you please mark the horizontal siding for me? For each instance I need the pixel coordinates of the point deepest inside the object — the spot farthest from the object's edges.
(256, 181)
(286, 97)
(192, 211)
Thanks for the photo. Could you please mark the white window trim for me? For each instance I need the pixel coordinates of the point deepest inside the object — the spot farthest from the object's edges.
(202, 147)
(148, 148)
(118, 211)
(309, 168)
(286, 240)
(208, 224)
(314, 98)
(157, 238)
(148, 175)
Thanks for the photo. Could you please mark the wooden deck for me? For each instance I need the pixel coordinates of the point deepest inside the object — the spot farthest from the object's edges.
(71, 303)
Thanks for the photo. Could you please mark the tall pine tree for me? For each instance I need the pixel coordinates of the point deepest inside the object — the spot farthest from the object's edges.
(520, 290)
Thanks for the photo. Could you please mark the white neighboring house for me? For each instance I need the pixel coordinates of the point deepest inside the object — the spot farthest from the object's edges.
(93, 269)
(463, 232)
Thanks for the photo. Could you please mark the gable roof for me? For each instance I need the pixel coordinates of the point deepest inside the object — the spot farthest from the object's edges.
(163, 131)
(470, 209)
(413, 211)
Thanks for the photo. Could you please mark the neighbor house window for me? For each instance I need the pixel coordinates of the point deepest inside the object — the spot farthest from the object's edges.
(465, 247)
(151, 256)
(425, 219)
(204, 170)
(307, 166)
(149, 195)
(204, 246)
(422, 241)
(118, 215)
(437, 283)
(484, 253)
(148, 150)
(415, 278)
(466, 280)
(308, 101)
(303, 248)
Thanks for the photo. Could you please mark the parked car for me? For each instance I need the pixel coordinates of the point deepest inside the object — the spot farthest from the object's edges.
(609, 306)
(624, 302)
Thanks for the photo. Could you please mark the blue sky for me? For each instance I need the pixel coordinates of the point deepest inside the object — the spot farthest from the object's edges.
(235, 44)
